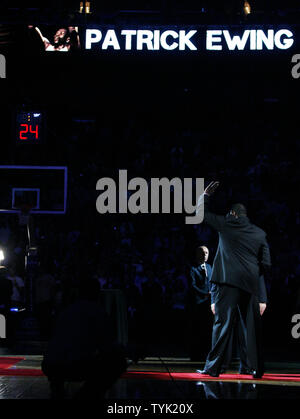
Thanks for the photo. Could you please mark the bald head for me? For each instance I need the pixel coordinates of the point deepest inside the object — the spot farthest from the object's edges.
(202, 254)
(239, 210)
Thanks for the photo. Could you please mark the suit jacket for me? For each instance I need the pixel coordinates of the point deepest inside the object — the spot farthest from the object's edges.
(262, 292)
(243, 253)
(200, 282)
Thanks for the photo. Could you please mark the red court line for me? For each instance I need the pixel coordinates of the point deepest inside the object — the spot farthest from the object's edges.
(151, 375)
(199, 377)
(9, 361)
(23, 372)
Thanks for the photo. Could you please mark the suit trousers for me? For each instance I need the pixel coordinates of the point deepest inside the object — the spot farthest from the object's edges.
(200, 325)
(237, 344)
(229, 302)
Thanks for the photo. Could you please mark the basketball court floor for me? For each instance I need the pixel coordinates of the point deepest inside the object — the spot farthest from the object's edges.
(156, 378)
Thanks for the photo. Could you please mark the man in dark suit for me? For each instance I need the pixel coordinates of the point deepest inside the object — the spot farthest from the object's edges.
(203, 292)
(242, 256)
(237, 345)
(198, 304)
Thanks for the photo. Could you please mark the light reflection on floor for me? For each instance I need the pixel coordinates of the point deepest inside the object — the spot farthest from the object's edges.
(18, 387)
(184, 390)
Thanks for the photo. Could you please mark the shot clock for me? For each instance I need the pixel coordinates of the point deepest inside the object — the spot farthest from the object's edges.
(29, 127)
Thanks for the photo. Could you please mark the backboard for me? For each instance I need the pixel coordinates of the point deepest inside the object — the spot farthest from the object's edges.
(42, 188)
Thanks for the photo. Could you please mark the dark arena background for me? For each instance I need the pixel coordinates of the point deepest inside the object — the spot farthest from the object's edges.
(90, 105)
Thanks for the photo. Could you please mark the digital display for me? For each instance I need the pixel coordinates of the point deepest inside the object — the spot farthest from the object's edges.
(57, 39)
(191, 39)
(161, 38)
(29, 127)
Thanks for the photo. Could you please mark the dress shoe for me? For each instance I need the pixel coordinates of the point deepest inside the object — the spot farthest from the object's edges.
(204, 372)
(257, 374)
